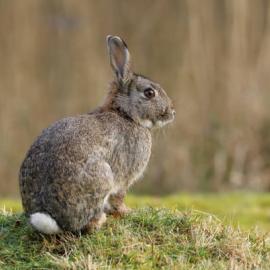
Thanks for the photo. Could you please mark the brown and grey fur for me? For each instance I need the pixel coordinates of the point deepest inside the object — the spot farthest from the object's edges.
(81, 167)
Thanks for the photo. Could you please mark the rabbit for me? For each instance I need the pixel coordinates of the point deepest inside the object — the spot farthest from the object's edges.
(79, 169)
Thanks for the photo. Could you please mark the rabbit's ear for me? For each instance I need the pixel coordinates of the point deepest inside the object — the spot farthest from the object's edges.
(119, 58)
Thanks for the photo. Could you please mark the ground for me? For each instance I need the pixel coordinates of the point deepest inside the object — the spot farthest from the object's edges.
(245, 209)
(150, 237)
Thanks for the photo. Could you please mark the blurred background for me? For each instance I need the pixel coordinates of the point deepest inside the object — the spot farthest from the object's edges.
(211, 56)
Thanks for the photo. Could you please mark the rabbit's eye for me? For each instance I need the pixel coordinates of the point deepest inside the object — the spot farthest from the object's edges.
(149, 93)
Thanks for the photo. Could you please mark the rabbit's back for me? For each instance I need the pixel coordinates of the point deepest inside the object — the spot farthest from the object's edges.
(61, 154)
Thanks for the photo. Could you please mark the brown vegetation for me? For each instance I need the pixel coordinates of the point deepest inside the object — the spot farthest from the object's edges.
(211, 56)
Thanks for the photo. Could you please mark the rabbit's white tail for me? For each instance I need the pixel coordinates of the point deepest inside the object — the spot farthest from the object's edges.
(44, 223)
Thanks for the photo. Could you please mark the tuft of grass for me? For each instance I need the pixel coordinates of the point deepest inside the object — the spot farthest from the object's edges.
(147, 238)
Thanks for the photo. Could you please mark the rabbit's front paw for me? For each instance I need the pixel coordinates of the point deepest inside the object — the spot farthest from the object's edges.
(121, 211)
(115, 205)
(118, 212)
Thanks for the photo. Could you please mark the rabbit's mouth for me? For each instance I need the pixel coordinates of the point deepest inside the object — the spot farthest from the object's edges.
(160, 124)
(147, 123)
(165, 119)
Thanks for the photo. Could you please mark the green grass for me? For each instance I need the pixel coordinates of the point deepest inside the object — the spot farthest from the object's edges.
(148, 238)
(247, 210)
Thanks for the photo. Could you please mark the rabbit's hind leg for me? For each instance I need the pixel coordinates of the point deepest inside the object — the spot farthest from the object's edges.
(98, 173)
(79, 201)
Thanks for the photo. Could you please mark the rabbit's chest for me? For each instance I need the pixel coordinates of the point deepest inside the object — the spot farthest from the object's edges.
(130, 157)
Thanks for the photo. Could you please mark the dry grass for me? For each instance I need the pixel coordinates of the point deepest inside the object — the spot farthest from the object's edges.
(146, 239)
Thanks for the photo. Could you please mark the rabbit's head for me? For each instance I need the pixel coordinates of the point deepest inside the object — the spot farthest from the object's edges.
(136, 96)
